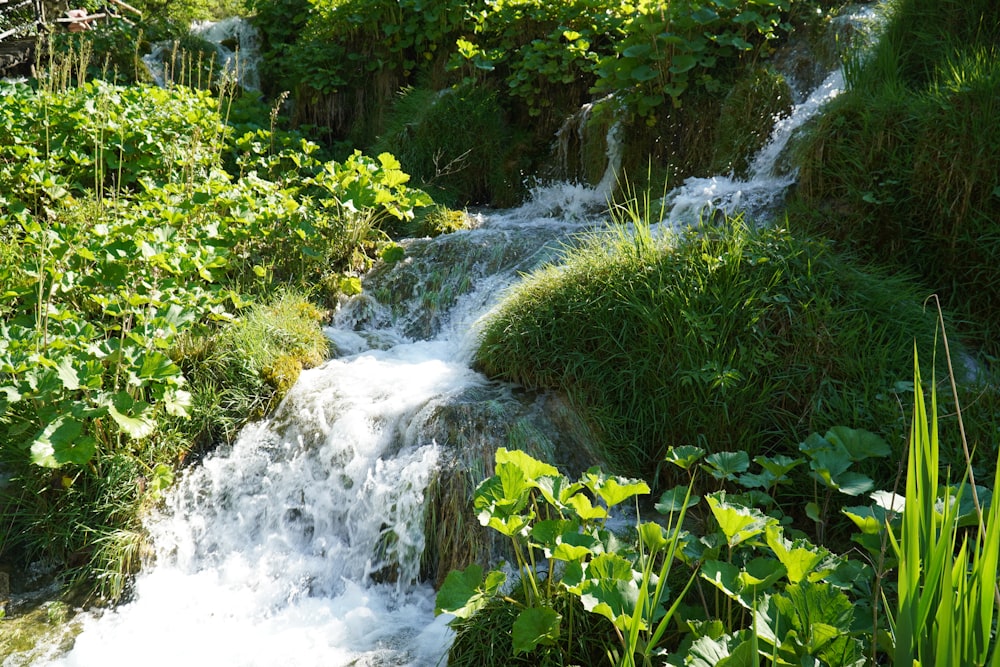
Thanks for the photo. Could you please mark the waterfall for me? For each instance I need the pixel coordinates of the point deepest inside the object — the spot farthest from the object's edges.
(301, 543)
(763, 191)
(237, 52)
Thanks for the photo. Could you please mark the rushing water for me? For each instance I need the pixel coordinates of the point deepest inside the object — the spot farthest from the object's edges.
(300, 544)
(269, 553)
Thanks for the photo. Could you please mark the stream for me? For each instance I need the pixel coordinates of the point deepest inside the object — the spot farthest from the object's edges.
(301, 544)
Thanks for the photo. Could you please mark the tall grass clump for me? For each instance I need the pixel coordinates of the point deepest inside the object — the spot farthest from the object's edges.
(725, 338)
(946, 577)
(902, 166)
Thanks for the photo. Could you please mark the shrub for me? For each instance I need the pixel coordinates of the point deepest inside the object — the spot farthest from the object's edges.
(726, 337)
(456, 143)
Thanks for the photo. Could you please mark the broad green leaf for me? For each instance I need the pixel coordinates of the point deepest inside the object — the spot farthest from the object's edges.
(139, 424)
(685, 456)
(463, 592)
(674, 500)
(854, 483)
(870, 520)
(859, 443)
(614, 599)
(62, 442)
(739, 524)
(643, 73)
(534, 626)
(652, 536)
(580, 503)
(683, 62)
(708, 652)
(68, 375)
(800, 558)
(726, 465)
(761, 480)
(615, 490)
(557, 489)
(532, 468)
(779, 465)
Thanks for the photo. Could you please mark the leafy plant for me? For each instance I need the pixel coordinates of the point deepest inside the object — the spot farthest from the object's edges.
(562, 548)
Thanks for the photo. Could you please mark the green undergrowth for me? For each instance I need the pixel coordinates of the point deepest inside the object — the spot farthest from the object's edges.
(163, 278)
(724, 337)
(902, 166)
(457, 144)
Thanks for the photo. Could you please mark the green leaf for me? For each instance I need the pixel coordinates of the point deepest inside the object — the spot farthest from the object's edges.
(726, 465)
(683, 63)
(643, 73)
(161, 480)
(137, 425)
(531, 467)
(534, 626)
(62, 442)
(779, 466)
(870, 520)
(800, 558)
(675, 500)
(584, 509)
(70, 380)
(463, 592)
(684, 456)
(615, 490)
(859, 443)
(738, 524)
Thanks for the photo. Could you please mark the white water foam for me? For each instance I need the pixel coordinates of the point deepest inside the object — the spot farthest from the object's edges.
(300, 544)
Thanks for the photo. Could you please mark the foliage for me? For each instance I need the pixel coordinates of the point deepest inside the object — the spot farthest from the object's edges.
(456, 143)
(563, 548)
(126, 249)
(724, 337)
(901, 166)
(947, 598)
(771, 592)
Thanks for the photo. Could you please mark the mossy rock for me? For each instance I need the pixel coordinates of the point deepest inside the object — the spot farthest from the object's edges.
(747, 117)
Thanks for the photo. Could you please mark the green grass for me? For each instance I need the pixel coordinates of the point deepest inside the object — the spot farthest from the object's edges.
(902, 166)
(730, 338)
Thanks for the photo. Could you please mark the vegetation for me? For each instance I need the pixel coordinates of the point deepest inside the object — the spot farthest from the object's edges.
(727, 337)
(151, 303)
(514, 71)
(902, 166)
(752, 588)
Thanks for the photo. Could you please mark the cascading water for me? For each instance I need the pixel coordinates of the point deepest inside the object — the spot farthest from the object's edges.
(301, 543)
(237, 52)
(764, 189)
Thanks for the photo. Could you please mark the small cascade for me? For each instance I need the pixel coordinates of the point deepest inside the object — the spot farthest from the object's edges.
(301, 544)
(236, 58)
(763, 190)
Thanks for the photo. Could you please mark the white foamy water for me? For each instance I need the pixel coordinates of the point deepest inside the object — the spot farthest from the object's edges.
(237, 54)
(300, 544)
